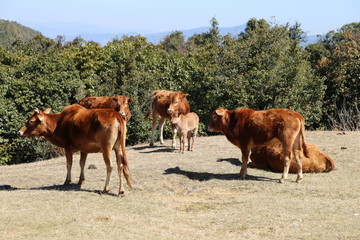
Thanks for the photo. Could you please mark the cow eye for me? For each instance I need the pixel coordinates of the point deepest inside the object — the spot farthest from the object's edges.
(32, 121)
(214, 117)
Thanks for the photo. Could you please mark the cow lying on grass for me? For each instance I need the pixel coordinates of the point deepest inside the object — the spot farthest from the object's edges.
(160, 102)
(187, 126)
(86, 130)
(247, 128)
(119, 103)
(270, 158)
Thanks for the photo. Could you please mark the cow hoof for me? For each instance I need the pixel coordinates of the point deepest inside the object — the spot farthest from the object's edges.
(281, 180)
(151, 144)
(105, 191)
(298, 180)
(81, 181)
(67, 182)
(121, 194)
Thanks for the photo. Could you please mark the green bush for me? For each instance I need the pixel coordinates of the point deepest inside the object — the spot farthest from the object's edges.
(262, 68)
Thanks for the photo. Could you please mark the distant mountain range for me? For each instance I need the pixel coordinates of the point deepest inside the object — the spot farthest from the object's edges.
(11, 31)
(103, 34)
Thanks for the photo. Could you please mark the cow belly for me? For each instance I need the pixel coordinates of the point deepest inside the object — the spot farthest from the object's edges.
(90, 148)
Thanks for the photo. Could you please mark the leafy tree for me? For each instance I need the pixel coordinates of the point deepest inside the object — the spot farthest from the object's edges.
(336, 58)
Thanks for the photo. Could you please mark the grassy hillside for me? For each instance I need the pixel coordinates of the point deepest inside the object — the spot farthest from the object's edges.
(11, 31)
(196, 195)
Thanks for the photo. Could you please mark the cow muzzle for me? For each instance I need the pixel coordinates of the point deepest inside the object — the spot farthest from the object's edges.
(122, 114)
(21, 134)
(170, 111)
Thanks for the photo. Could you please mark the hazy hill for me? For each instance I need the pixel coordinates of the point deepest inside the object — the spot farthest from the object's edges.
(11, 31)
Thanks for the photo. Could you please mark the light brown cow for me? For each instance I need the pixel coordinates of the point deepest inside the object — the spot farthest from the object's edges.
(270, 158)
(161, 102)
(86, 130)
(187, 126)
(119, 103)
(247, 128)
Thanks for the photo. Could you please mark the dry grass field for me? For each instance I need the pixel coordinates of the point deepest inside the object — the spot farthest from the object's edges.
(196, 195)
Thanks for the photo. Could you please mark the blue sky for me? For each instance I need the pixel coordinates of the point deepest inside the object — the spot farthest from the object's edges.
(315, 16)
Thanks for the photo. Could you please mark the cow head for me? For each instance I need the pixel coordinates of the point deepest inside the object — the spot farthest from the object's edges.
(218, 120)
(122, 106)
(175, 117)
(178, 102)
(35, 126)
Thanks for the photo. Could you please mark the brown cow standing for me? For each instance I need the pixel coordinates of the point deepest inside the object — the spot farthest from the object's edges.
(187, 126)
(161, 102)
(270, 158)
(86, 130)
(247, 128)
(119, 103)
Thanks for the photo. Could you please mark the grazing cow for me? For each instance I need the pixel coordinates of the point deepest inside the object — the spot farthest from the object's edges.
(187, 125)
(247, 128)
(270, 158)
(86, 130)
(119, 103)
(161, 103)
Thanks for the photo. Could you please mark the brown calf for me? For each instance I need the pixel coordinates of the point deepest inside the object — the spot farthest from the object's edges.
(247, 128)
(86, 130)
(160, 102)
(119, 103)
(187, 126)
(270, 158)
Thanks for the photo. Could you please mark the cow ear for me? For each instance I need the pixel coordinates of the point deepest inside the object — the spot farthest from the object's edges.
(130, 100)
(37, 111)
(220, 111)
(185, 95)
(47, 111)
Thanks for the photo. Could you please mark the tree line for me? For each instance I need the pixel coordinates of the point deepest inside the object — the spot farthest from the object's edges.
(264, 67)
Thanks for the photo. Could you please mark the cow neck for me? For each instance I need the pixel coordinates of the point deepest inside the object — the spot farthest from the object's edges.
(231, 129)
(52, 121)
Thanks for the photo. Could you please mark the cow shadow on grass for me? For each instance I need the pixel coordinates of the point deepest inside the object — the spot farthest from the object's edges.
(154, 149)
(205, 176)
(56, 187)
(233, 161)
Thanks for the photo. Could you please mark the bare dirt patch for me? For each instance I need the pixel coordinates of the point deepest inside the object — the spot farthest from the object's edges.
(196, 195)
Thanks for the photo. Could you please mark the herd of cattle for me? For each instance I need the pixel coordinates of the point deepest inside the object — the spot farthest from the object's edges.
(271, 139)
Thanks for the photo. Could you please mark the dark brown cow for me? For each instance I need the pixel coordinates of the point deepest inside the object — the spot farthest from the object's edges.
(119, 103)
(247, 128)
(270, 158)
(187, 126)
(86, 130)
(161, 104)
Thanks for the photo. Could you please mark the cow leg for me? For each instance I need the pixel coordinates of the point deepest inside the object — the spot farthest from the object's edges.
(181, 138)
(173, 132)
(109, 167)
(161, 130)
(120, 166)
(83, 156)
(193, 139)
(297, 152)
(287, 161)
(69, 161)
(244, 158)
(188, 141)
(154, 118)
(299, 166)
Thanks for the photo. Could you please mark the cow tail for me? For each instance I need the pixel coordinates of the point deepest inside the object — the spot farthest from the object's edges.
(151, 107)
(123, 130)
(302, 137)
(330, 164)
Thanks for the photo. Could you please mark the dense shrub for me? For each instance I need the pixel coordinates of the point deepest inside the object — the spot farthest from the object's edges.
(262, 68)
